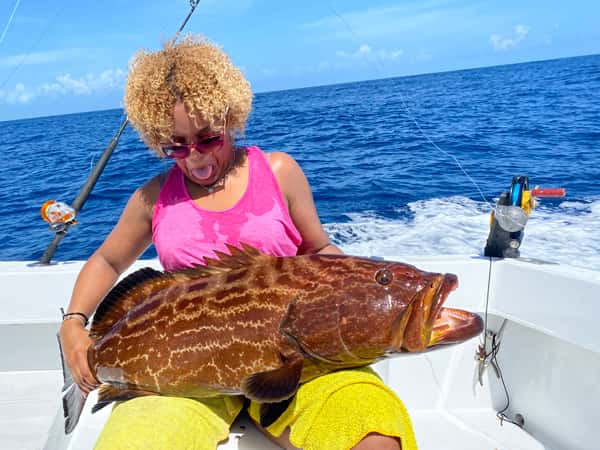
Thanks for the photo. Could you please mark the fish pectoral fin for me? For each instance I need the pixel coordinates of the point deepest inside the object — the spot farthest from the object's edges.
(108, 394)
(275, 385)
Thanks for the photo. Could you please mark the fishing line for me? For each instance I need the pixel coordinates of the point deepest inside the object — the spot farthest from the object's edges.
(487, 301)
(35, 44)
(414, 120)
(75, 186)
(10, 19)
(500, 414)
(495, 337)
(484, 356)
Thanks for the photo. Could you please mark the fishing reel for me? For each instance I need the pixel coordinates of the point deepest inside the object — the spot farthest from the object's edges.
(509, 218)
(59, 215)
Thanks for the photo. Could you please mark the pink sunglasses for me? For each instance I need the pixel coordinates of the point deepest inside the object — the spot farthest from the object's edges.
(176, 150)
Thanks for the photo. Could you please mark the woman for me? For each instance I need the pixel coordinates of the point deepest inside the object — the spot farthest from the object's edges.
(188, 102)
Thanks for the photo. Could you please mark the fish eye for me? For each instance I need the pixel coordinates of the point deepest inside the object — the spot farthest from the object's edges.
(384, 276)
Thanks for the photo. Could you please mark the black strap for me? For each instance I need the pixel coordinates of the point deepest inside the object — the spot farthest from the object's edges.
(85, 318)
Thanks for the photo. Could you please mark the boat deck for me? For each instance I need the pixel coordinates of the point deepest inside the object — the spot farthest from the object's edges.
(550, 359)
(29, 401)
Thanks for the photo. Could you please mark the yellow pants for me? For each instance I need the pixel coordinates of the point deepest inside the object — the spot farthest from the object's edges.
(332, 412)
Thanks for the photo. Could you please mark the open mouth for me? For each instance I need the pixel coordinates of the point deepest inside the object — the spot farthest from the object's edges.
(425, 323)
(452, 326)
(204, 173)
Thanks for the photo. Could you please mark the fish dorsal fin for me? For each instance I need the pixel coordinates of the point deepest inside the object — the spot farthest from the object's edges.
(130, 291)
(238, 257)
(137, 286)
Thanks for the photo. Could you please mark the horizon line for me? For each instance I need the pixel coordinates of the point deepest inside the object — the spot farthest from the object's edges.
(333, 84)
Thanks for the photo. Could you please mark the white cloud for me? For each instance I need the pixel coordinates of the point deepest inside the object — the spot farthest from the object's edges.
(366, 53)
(66, 85)
(18, 95)
(405, 18)
(51, 56)
(502, 43)
(268, 72)
(424, 56)
(345, 61)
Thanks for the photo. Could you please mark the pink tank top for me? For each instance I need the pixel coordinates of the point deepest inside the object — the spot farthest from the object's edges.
(184, 233)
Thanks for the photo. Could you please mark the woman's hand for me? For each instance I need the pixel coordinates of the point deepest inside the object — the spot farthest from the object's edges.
(75, 341)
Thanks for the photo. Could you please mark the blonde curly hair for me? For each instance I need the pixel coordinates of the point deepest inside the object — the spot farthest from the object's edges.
(193, 71)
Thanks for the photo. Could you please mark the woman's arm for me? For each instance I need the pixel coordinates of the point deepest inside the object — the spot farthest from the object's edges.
(298, 196)
(129, 238)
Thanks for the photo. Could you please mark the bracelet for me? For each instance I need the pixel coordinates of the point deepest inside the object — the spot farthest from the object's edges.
(66, 316)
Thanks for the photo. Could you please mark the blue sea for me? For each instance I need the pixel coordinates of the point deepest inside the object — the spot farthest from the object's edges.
(402, 166)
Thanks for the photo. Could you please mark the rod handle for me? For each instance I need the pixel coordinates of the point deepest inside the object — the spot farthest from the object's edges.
(548, 192)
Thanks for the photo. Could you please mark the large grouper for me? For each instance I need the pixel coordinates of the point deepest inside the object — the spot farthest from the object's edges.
(258, 325)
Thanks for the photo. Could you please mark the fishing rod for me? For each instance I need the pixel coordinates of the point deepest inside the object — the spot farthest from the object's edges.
(61, 216)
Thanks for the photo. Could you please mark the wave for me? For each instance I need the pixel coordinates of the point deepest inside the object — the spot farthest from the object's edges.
(565, 234)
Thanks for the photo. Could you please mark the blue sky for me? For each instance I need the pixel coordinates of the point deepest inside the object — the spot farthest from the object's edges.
(64, 56)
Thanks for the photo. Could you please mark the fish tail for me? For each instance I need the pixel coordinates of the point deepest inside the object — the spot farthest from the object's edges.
(72, 397)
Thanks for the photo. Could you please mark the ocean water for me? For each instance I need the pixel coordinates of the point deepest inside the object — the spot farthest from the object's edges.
(404, 166)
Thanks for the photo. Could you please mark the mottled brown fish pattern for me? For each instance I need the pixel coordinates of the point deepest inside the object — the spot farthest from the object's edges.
(259, 325)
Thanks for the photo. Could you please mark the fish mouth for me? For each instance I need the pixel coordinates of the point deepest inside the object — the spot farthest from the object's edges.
(425, 323)
(453, 326)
